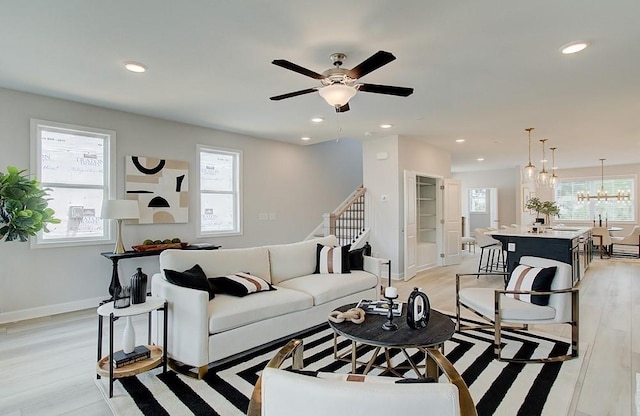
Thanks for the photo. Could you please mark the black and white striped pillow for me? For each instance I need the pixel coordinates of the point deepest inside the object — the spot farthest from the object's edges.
(332, 259)
(528, 278)
(239, 284)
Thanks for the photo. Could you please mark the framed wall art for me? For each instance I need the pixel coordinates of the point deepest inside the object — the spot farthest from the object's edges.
(161, 188)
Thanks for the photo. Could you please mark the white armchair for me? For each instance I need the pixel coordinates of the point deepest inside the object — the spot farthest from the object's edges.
(285, 393)
(501, 308)
(632, 239)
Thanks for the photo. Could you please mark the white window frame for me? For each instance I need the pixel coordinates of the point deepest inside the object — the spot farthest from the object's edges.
(108, 184)
(471, 199)
(236, 192)
(598, 179)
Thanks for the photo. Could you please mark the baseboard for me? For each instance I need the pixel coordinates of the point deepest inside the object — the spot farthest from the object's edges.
(41, 311)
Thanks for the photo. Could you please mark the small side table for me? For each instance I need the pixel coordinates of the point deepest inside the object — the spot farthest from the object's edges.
(158, 355)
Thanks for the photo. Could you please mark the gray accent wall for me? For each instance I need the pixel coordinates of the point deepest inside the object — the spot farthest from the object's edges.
(296, 184)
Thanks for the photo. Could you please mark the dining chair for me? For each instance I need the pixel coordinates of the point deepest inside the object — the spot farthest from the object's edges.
(631, 239)
(603, 239)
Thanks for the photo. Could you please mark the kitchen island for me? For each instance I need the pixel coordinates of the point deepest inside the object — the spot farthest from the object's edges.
(565, 244)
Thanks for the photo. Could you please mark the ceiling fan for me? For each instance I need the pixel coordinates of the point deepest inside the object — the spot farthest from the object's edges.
(339, 84)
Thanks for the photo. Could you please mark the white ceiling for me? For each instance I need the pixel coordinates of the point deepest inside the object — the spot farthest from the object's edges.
(481, 70)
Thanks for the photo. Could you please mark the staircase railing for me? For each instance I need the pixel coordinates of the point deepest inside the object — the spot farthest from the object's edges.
(347, 222)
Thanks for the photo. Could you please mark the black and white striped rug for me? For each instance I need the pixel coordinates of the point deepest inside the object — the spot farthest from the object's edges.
(497, 388)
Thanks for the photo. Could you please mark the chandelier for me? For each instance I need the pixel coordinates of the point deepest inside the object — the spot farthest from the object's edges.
(602, 195)
(529, 171)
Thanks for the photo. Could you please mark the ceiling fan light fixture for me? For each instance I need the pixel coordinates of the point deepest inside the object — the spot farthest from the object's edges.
(337, 95)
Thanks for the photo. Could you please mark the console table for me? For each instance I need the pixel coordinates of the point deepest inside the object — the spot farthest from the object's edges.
(115, 257)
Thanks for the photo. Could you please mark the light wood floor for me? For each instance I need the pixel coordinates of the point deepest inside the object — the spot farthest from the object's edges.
(47, 365)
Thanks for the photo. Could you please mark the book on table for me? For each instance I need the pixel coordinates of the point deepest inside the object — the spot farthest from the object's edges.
(139, 353)
(379, 307)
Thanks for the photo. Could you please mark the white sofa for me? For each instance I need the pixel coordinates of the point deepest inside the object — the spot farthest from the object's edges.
(201, 331)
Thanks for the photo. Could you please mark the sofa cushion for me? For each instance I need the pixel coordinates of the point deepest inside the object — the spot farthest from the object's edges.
(296, 259)
(527, 278)
(239, 284)
(193, 278)
(327, 287)
(482, 299)
(332, 259)
(254, 260)
(227, 312)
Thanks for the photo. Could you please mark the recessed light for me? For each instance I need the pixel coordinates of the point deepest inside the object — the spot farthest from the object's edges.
(135, 67)
(317, 119)
(385, 126)
(480, 159)
(306, 139)
(573, 47)
(459, 140)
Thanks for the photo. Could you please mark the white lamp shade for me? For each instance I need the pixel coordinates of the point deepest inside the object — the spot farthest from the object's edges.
(120, 209)
(337, 95)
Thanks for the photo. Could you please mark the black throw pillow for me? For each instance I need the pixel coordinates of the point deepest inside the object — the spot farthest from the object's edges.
(194, 278)
(356, 258)
(239, 284)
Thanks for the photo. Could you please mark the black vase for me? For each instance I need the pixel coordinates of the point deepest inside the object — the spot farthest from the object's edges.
(418, 309)
(138, 287)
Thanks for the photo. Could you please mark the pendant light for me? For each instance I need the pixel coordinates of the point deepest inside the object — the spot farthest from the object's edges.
(554, 177)
(529, 171)
(543, 176)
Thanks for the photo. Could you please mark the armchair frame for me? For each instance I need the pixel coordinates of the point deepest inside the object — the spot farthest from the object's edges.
(294, 349)
(497, 322)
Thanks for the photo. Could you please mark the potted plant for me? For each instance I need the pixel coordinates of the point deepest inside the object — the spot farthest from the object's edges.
(534, 204)
(23, 206)
(549, 208)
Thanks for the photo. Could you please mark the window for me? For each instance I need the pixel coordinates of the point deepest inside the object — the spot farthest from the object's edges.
(219, 191)
(74, 162)
(612, 210)
(478, 200)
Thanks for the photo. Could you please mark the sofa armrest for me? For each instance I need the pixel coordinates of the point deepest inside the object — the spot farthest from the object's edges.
(188, 328)
(375, 265)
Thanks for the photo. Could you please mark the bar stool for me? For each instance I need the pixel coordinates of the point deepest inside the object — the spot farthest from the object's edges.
(469, 242)
(495, 259)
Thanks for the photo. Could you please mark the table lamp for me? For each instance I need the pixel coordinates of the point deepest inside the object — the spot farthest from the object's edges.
(119, 210)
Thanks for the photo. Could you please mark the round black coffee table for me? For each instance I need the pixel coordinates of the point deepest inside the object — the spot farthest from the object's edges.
(370, 332)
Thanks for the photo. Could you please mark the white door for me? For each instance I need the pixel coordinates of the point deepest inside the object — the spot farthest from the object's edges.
(452, 222)
(493, 207)
(410, 225)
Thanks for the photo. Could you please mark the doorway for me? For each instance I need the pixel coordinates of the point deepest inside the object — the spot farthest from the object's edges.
(482, 209)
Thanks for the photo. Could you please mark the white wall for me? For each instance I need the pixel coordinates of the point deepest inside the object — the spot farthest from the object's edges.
(386, 177)
(297, 183)
(507, 182)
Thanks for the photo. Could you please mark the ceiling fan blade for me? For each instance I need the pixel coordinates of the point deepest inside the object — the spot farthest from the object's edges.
(386, 89)
(370, 64)
(293, 94)
(343, 109)
(297, 68)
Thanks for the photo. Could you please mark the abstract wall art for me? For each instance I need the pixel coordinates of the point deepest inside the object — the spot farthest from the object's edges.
(161, 187)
